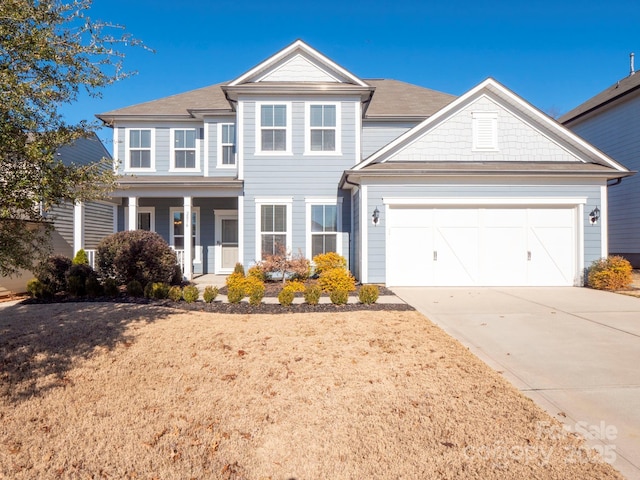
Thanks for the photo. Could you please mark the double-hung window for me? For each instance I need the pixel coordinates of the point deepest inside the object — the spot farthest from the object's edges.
(184, 149)
(273, 128)
(322, 128)
(139, 145)
(227, 150)
(273, 229)
(323, 229)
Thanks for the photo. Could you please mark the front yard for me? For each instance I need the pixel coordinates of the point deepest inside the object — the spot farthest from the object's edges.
(104, 390)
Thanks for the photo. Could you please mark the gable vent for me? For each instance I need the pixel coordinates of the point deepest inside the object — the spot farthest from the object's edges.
(485, 130)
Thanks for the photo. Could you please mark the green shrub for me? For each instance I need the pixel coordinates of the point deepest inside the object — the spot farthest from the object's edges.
(339, 296)
(157, 290)
(136, 255)
(176, 278)
(110, 287)
(254, 289)
(81, 258)
(53, 273)
(210, 293)
(257, 272)
(239, 269)
(175, 293)
(77, 277)
(611, 273)
(190, 293)
(37, 289)
(134, 289)
(286, 296)
(312, 294)
(93, 287)
(337, 279)
(368, 294)
(328, 261)
(235, 294)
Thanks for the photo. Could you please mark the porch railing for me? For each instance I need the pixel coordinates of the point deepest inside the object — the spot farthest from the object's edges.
(91, 255)
(180, 255)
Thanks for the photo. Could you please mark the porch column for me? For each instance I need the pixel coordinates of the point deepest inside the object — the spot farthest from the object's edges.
(133, 213)
(78, 226)
(241, 229)
(188, 238)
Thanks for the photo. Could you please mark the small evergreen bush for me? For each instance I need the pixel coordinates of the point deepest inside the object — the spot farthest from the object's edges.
(236, 280)
(235, 294)
(286, 296)
(157, 290)
(337, 279)
(37, 289)
(339, 296)
(134, 289)
(295, 285)
(93, 286)
(328, 261)
(254, 289)
(175, 293)
(239, 269)
(81, 258)
(368, 294)
(190, 293)
(312, 294)
(110, 287)
(210, 293)
(611, 273)
(257, 272)
(77, 277)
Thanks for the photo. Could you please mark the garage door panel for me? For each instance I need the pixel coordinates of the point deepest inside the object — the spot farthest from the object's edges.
(503, 257)
(456, 256)
(552, 259)
(411, 262)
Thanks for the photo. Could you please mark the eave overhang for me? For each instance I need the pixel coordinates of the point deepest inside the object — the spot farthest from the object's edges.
(178, 186)
(303, 88)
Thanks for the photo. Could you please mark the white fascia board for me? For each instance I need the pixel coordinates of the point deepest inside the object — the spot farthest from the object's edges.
(484, 201)
(297, 45)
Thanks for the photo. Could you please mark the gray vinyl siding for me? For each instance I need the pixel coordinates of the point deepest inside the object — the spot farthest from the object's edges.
(376, 135)
(376, 235)
(616, 131)
(297, 176)
(62, 237)
(212, 148)
(98, 223)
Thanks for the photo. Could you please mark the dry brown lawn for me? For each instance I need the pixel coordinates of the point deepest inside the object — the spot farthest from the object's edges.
(138, 392)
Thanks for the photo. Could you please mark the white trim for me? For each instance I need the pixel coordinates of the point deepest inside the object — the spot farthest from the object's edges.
(241, 229)
(172, 150)
(288, 203)
(604, 221)
(198, 249)
(497, 89)
(219, 146)
(297, 45)
(115, 143)
(239, 141)
(78, 226)
(337, 129)
(580, 244)
(480, 120)
(132, 215)
(364, 234)
(205, 160)
(152, 149)
(150, 210)
(287, 128)
(484, 200)
(358, 139)
(309, 202)
(220, 215)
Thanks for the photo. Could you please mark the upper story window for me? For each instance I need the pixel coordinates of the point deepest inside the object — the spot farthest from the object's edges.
(139, 149)
(274, 128)
(322, 127)
(485, 131)
(227, 145)
(184, 150)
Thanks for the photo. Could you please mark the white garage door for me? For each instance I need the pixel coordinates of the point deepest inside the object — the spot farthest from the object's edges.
(481, 246)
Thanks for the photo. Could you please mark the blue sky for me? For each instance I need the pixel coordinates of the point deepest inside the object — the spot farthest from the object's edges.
(555, 54)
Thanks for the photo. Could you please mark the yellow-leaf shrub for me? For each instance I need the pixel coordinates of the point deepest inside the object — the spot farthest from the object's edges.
(328, 261)
(611, 273)
(336, 279)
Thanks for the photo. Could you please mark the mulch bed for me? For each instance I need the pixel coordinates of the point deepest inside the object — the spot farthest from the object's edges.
(272, 289)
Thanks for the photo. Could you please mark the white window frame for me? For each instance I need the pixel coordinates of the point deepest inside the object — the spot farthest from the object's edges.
(172, 141)
(337, 128)
(287, 129)
(150, 210)
(323, 201)
(127, 152)
(221, 146)
(197, 254)
(288, 203)
(484, 127)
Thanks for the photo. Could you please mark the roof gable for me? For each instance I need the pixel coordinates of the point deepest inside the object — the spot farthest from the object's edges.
(546, 139)
(298, 63)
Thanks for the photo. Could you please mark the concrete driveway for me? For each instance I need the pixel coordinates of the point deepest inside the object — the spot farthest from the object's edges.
(574, 351)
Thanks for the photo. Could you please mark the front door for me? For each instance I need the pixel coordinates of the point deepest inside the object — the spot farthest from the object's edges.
(226, 236)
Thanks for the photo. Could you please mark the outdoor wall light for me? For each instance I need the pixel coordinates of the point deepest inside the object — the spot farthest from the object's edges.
(375, 218)
(594, 216)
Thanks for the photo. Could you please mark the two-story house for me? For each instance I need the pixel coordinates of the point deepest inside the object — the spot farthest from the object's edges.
(611, 121)
(412, 186)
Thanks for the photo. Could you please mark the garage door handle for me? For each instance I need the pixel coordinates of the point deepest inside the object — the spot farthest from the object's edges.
(435, 256)
(529, 256)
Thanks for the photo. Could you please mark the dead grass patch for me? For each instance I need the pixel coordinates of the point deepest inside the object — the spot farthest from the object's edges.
(131, 391)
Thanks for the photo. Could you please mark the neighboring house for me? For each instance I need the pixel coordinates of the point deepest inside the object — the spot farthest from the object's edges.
(75, 226)
(412, 186)
(611, 122)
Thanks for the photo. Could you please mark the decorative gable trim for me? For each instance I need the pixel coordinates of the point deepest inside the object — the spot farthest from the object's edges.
(531, 115)
(299, 69)
(263, 69)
